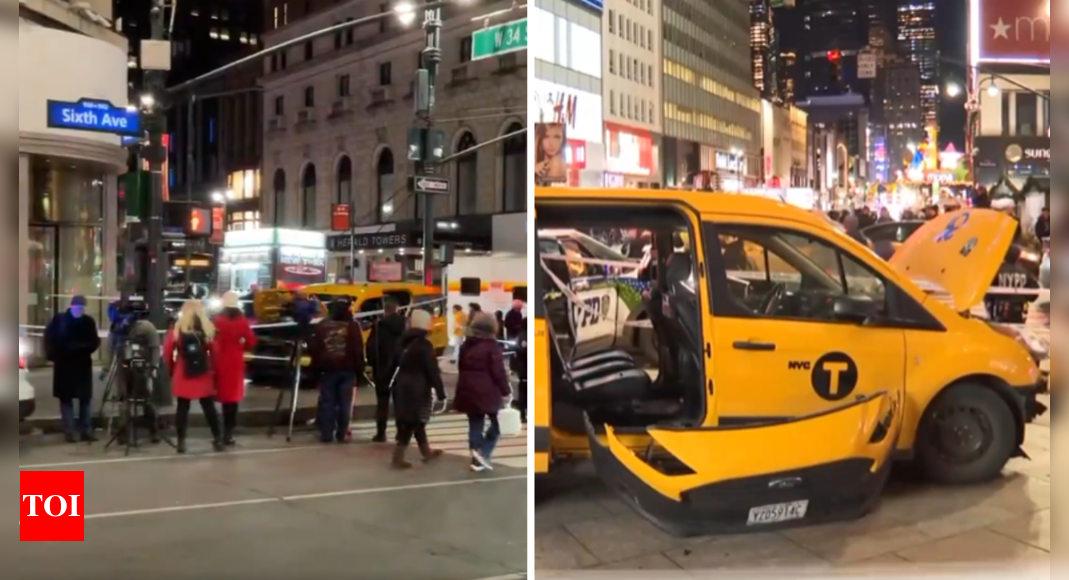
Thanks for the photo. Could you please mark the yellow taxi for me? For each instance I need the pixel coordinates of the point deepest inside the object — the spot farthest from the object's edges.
(368, 302)
(788, 380)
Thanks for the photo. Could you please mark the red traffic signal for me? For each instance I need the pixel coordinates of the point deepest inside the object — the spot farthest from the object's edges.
(199, 224)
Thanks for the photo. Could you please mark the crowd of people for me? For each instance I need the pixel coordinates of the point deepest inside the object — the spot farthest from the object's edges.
(204, 357)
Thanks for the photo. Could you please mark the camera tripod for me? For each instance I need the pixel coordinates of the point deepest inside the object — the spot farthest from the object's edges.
(127, 409)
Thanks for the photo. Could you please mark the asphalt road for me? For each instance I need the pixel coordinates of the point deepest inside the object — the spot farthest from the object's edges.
(303, 510)
(581, 525)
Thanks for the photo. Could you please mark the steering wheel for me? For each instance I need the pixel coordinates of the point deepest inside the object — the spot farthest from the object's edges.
(771, 300)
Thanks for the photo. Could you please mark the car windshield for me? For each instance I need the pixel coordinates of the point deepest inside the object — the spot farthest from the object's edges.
(895, 232)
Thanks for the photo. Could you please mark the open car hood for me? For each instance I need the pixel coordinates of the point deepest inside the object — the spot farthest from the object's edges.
(960, 252)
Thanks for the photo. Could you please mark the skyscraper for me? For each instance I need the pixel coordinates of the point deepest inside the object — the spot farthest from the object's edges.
(917, 44)
(764, 48)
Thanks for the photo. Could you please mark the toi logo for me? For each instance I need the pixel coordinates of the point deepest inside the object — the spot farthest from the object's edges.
(52, 506)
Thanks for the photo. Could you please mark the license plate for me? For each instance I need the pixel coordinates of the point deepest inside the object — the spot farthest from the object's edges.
(778, 513)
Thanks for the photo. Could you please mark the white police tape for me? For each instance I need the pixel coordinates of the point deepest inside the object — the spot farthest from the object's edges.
(37, 331)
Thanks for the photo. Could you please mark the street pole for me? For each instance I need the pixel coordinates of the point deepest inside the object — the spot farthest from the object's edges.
(191, 154)
(155, 81)
(432, 57)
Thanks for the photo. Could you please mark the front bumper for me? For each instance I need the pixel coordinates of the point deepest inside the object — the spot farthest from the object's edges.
(840, 491)
(27, 409)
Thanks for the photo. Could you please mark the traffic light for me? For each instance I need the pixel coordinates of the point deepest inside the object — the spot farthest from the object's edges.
(199, 224)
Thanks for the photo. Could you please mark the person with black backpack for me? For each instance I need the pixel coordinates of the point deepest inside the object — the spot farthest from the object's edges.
(337, 351)
(187, 355)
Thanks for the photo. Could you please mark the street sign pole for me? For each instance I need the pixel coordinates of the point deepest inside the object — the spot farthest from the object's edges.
(157, 156)
(432, 57)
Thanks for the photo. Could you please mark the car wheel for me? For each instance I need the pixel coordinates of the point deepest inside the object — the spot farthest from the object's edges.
(967, 436)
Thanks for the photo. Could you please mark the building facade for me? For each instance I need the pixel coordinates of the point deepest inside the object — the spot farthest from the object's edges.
(338, 111)
(712, 112)
(1012, 141)
(569, 82)
(918, 44)
(899, 114)
(68, 192)
(631, 93)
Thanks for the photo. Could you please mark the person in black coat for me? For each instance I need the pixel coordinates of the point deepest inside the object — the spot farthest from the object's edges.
(418, 380)
(382, 346)
(71, 339)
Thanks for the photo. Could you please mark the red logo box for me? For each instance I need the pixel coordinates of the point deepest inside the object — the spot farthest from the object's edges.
(53, 506)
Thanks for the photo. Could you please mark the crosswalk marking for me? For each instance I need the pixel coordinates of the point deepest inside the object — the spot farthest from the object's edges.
(450, 434)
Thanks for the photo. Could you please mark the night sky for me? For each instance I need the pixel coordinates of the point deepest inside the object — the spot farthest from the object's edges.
(953, 39)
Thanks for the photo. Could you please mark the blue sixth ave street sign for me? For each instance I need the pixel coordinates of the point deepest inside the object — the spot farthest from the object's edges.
(95, 116)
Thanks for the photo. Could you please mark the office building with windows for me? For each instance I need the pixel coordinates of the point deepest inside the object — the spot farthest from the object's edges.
(918, 44)
(570, 81)
(337, 115)
(712, 112)
(631, 93)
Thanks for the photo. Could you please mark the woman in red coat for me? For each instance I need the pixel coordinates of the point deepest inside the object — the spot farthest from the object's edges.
(187, 352)
(233, 338)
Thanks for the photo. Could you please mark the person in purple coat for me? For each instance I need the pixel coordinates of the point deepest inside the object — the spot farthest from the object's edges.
(483, 389)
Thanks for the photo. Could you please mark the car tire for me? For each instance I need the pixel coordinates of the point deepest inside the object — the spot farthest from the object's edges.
(978, 411)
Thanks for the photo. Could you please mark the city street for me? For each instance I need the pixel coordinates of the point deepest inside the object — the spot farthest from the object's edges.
(266, 508)
(581, 525)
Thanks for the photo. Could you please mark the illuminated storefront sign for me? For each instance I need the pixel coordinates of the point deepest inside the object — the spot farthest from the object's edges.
(580, 111)
(1010, 31)
(628, 151)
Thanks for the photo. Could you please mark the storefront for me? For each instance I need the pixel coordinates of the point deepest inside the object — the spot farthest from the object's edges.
(1013, 160)
(394, 252)
(631, 157)
(272, 258)
(70, 154)
(580, 113)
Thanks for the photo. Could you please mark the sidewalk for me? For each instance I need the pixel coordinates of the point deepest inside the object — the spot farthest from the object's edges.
(256, 411)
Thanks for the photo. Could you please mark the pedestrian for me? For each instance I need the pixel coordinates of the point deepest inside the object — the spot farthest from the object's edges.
(474, 309)
(417, 381)
(853, 228)
(187, 352)
(885, 216)
(382, 346)
(337, 349)
(513, 322)
(482, 390)
(71, 339)
(499, 323)
(460, 330)
(233, 338)
(1043, 224)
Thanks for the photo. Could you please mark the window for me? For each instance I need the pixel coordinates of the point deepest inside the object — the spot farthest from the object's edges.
(339, 39)
(629, 29)
(309, 51)
(620, 23)
(350, 34)
(345, 88)
(385, 74)
(384, 24)
(466, 47)
(612, 102)
(612, 61)
(782, 274)
(274, 62)
(283, 61)
(612, 22)
(649, 40)
(280, 106)
(309, 97)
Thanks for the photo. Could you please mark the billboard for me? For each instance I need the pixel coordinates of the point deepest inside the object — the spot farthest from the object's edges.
(1010, 31)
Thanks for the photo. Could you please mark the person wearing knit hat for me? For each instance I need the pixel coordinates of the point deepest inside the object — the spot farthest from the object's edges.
(417, 380)
(483, 389)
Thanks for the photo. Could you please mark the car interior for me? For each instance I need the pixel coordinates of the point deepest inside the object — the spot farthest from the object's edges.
(613, 386)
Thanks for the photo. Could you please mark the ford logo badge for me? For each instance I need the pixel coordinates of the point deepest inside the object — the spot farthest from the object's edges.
(786, 483)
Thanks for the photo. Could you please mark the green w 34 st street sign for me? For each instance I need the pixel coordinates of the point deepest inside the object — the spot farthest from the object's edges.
(499, 40)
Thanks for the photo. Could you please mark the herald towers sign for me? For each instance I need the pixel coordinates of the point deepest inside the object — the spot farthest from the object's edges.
(1010, 31)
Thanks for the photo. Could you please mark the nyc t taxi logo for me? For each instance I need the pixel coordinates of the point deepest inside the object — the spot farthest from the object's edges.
(52, 506)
